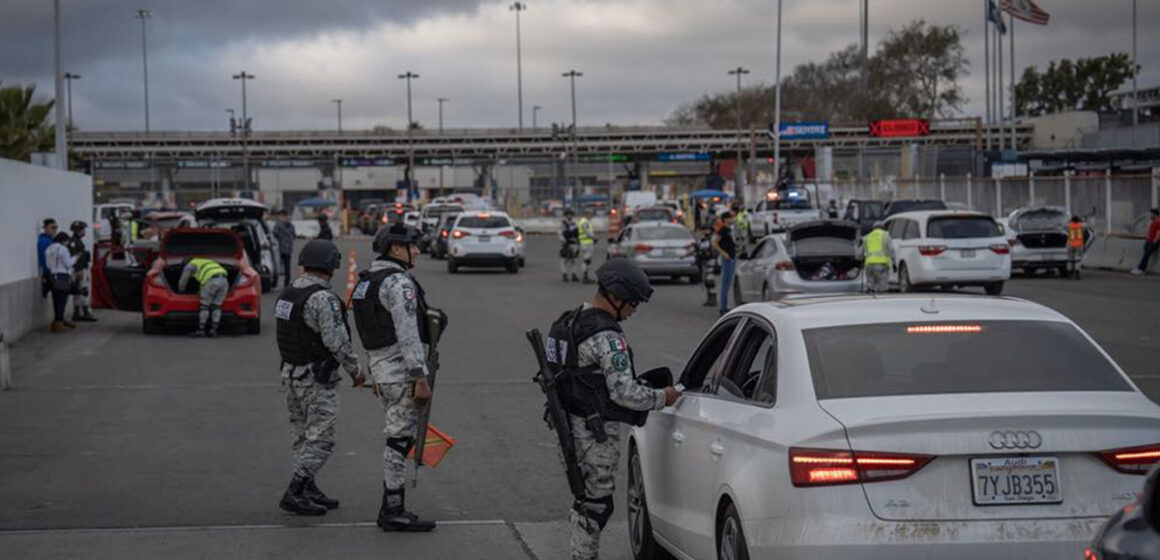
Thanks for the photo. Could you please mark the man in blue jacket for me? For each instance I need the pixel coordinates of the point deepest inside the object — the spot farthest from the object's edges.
(48, 232)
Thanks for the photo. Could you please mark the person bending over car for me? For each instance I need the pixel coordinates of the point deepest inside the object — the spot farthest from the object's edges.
(212, 288)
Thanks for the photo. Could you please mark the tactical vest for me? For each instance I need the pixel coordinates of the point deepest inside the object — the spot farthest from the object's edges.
(375, 326)
(297, 342)
(584, 390)
(571, 233)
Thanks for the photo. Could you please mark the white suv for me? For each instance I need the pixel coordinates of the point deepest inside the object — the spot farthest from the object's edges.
(483, 239)
(949, 249)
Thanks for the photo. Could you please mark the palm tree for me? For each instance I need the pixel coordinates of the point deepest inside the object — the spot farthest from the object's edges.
(24, 126)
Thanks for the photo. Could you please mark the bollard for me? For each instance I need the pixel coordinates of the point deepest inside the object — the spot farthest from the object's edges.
(351, 276)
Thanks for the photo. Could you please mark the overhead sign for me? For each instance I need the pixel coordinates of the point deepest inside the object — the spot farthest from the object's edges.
(366, 162)
(287, 163)
(441, 162)
(683, 156)
(900, 127)
(805, 131)
(121, 164)
(203, 164)
(601, 158)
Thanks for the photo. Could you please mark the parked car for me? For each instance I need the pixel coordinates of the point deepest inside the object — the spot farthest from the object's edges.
(305, 216)
(634, 200)
(865, 213)
(244, 216)
(659, 248)
(911, 205)
(103, 216)
(948, 249)
(1133, 532)
(155, 224)
(439, 236)
(521, 245)
(781, 210)
(1038, 239)
(149, 285)
(814, 257)
(655, 214)
(483, 239)
(369, 218)
(900, 427)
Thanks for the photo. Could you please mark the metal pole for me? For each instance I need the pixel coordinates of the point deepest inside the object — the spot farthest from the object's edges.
(970, 183)
(1108, 200)
(1135, 71)
(69, 77)
(243, 76)
(777, 105)
(535, 109)
(572, 75)
(738, 190)
(987, 64)
(1014, 111)
(410, 137)
(865, 41)
(1000, 93)
(144, 15)
(441, 101)
(518, 7)
(338, 102)
(337, 163)
(1067, 190)
(61, 144)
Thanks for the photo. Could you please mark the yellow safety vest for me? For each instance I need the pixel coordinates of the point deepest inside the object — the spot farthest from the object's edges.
(206, 269)
(585, 232)
(742, 219)
(875, 244)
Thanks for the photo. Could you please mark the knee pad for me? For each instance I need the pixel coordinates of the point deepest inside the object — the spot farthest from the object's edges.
(596, 509)
(401, 445)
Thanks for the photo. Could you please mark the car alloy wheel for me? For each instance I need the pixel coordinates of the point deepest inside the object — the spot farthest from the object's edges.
(904, 284)
(636, 506)
(765, 295)
(731, 542)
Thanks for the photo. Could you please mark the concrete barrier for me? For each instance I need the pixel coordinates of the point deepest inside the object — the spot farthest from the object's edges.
(1118, 253)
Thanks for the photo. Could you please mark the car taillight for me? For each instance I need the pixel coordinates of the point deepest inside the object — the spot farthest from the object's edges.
(443, 233)
(642, 248)
(1000, 249)
(784, 265)
(510, 234)
(384, 219)
(827, 467)
(931, 250)
(460, 234)
(245, 280)
(157, 279)
(97, 225)
(519, 238)
(1132, 460)
(1089, 555)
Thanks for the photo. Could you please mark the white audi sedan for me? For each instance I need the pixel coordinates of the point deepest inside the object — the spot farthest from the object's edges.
(893, 427)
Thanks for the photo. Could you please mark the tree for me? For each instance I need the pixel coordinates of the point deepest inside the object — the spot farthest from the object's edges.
(917, 69)
(24, 125)
(1083, 85)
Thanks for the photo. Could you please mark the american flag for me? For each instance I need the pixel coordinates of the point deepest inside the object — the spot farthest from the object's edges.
(1026, 10)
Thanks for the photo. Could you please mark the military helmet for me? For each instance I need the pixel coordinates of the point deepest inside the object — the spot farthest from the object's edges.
(624, 279)
(320, 254)
(78, 225)
(398, 233)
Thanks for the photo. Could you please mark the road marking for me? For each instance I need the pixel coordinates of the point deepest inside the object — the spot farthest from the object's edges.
(252, 527)
(221, 386)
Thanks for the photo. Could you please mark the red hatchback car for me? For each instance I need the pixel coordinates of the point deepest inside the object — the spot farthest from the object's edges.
(148, 282)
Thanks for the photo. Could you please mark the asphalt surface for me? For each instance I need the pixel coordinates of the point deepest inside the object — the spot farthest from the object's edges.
(167, 446)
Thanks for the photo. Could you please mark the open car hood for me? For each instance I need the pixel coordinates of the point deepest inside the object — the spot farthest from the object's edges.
(225, 209)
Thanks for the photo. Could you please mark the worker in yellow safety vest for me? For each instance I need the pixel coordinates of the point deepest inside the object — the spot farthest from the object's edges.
(741, 222)
(213, 285)
(877, 259)
(587, 242)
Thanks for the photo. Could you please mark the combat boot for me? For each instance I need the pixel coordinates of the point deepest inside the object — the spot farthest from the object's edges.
(587, 280)
(315, 495)
(565, 276)
(394, 517)
(295, 500)
(199, 333)
(575, 278)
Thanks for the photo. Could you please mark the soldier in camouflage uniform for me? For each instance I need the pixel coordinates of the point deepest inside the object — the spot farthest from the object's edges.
(602, 348)
(314, 342)
(391, 313)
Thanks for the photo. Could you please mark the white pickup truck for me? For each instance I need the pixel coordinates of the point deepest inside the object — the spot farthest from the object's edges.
(781, 210)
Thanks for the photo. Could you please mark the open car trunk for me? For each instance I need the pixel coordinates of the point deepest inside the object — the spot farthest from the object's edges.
(174, 266)
(825, 251)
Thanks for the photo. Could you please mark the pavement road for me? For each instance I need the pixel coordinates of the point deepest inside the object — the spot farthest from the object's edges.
(167, 446)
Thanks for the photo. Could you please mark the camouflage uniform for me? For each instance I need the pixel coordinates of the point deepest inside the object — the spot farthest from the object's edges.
(570, 245)
(609, 350)
(313, 405)
(395, 369)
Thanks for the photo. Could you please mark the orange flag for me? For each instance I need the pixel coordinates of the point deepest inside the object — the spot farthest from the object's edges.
(436, 446)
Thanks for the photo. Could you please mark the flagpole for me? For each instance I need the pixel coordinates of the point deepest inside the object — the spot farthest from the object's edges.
(1014, 114)
(987, 64)
(999, 90)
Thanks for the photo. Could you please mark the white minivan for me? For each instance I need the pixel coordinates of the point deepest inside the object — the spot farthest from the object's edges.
(948, 249)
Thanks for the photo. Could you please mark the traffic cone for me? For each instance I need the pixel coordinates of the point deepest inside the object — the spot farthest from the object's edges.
(351, 276)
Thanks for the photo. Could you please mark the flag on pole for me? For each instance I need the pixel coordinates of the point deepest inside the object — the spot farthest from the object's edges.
(437, 445)
(1026, 10)
(996, 17)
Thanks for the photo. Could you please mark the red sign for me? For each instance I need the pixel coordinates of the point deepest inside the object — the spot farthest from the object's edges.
(900, 127)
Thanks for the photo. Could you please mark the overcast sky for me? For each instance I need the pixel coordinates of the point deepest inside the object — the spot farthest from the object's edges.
(640, 58)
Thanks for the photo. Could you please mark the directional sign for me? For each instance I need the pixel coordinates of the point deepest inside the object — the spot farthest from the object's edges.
(900, 127)
(366, 162)
(804, 131)
(195, 164)
(683, 156)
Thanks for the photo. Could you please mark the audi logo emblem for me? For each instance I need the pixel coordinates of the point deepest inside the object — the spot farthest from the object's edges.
(1015, 439)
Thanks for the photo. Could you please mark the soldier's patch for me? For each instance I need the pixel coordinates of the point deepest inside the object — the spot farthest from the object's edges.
(408, 293)
(360, 291)
(620, 361)
(617, 344)
(282, 309)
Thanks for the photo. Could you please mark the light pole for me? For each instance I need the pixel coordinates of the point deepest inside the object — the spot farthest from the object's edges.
(60, 144)
(1135, 71)
(738, 191)
(69, 77)
(777, 106)
(518, 7)
(572, 75)
(243, 76)
(535, 109)
(233, 122)
(144, 15)
(339, 103)
(441, 101)
(410, 127)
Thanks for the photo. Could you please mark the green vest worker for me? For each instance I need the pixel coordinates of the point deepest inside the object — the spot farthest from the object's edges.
(213, 285)
(587, 239)
(877, 259)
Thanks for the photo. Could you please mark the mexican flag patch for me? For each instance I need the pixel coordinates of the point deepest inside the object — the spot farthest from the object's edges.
(618, 344)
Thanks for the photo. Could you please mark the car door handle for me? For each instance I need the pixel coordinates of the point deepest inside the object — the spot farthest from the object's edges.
(717, 449)
(678, 437)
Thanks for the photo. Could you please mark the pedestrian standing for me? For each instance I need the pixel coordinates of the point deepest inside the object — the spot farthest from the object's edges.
(740, 223)
(324, 231)
(212, 286)
(391, 313)
(569, 247)
(832, 210)
(285, 234)
(1075, 245)
(82, 281)
(314, 342)
(48, 231)
(587, 237)
(1151, 242)
(60, 264)
(726, 249)
(877, 259)
(601, 368)
(707, 264)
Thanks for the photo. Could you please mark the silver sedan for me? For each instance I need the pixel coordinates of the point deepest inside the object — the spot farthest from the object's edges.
(814, 257)
(659, 248)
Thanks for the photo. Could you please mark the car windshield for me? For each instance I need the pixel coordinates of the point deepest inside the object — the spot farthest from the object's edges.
(872, 210)
(1041, 220)
(436, 211)
(484, 222)
(937, 358)
(959, 227)
(169, 223)
(663, 234)
(208, 244)
(900, 206)
(653, 214)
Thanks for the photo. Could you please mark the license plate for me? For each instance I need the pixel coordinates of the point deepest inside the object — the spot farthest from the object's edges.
(674, 252)
(968, 253)
(484, 238)
(1015, 480)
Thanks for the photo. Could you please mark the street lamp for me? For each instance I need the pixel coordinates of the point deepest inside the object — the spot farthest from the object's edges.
(410, 126)
(535, 109)
(737, 189)
(572, 75)
(144, 15)
(69, 77)
(518, 7)
(60, 143)
(233, 122)
(243, 76)
(1135, 72)
(441, 101)
(339, 103)
(777, 105)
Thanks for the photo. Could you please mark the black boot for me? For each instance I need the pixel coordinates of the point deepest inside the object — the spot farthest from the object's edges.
(587, 280)
(565, 276)
(199, 333)
(575, 278)
(315, 495)
(295, 500)
(213, 328)
(394, 517)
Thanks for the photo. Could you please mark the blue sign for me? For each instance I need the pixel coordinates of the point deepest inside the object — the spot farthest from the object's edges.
(805, 131)
(683, 156)
(366, 162)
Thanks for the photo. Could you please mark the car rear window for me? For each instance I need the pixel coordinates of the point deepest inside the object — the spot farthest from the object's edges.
(1041, 219)
(663, 234)
(938, 358)
(915, 206)
(219, 244)
(484, 222)
(958, 227)
(653, 214)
